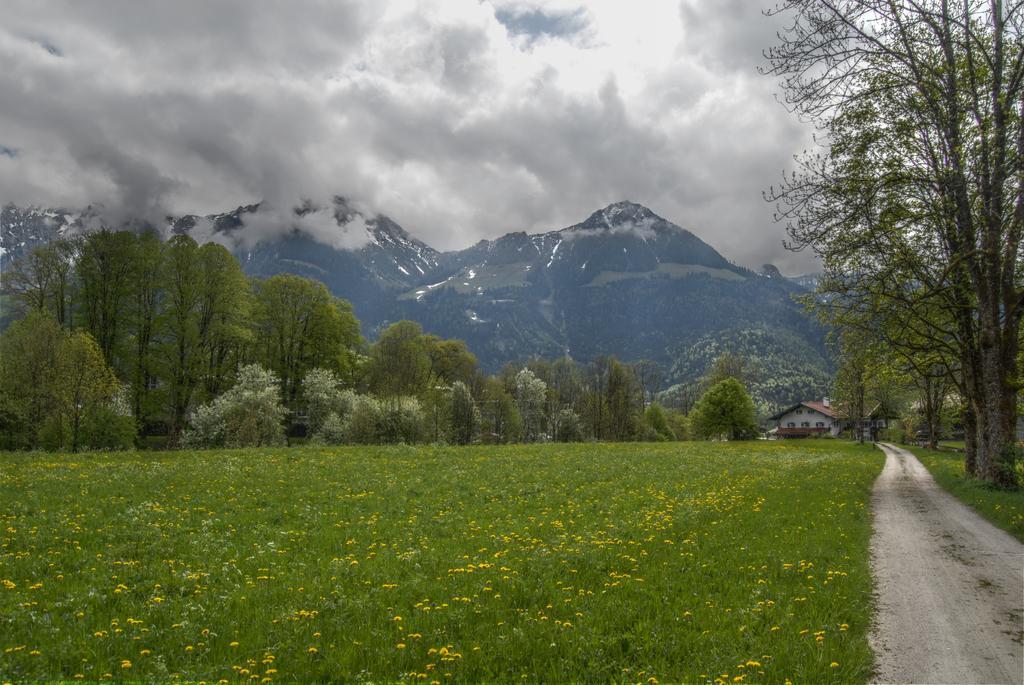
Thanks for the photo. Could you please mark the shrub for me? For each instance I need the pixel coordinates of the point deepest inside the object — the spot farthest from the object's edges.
(324, 396)
(401, 420)
(110, 426)
(250, 414)
(568, 426)
(364, 424)
(656, 424)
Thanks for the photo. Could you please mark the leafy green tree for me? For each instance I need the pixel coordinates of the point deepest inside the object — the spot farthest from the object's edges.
(650, 376)
(29, 373)
(181, 355)
(85, 385)
(917, 203)
(298, 326)
(400, 361)
(143, 322)
(450, 360)
(623, 402)
(43, 281)
(567, 426)
(500, 419)
(465, 417)
(656, 424)
(868, 379)
(725, 410)
(224, 315)
(105, 270)
(249, 414)
(680, 425)
(567, 384)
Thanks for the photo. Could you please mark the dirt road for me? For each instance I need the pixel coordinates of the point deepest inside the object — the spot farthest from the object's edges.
(950, 585)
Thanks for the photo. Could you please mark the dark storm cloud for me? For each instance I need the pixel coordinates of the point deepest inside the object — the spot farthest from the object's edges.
(432, 111)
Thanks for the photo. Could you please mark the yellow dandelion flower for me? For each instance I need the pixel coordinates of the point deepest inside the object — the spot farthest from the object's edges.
(400, 645)
(312, 650)
(125, 663)
(834, 664)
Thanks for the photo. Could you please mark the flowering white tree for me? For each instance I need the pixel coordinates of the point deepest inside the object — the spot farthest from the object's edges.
(531, 397)
(250, 414)
(328, 406)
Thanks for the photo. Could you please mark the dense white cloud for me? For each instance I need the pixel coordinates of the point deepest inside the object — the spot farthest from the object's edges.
(460, 119)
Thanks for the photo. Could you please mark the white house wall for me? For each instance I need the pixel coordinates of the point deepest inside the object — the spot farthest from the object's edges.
(812, 417)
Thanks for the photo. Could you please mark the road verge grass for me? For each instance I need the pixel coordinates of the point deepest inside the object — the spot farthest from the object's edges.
(1002, 508)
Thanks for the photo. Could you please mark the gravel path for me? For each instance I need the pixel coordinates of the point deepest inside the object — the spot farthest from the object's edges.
(950, 585)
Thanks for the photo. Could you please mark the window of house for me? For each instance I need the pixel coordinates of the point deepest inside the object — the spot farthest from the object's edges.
(790, 425)
(819, 424)
(799, 411)
(805, 424)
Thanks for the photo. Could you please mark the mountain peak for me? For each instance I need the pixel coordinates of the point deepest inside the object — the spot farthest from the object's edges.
(619, 213)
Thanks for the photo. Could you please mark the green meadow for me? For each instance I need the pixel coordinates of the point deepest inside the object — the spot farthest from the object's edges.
(674, 562)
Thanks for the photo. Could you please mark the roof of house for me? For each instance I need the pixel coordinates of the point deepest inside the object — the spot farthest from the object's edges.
(816, 406)
(832, 411)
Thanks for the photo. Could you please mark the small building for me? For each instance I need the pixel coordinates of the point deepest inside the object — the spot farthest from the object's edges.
(807, 420)
(820, 419)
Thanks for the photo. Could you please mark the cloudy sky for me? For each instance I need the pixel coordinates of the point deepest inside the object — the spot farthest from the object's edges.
(460, 119)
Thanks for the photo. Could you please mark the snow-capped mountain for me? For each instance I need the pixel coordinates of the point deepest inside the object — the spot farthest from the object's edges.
(23, 229)
(384, 250)
(621, 242)
(624, 281)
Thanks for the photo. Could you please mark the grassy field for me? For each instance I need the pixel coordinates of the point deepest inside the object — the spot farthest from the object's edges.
(691, 562)
(1004, 509)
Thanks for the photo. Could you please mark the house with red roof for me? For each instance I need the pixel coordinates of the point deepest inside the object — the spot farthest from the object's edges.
(820, 419)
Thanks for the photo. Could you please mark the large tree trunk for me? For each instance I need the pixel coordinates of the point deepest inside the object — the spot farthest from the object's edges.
(970, 441)
(995, 406)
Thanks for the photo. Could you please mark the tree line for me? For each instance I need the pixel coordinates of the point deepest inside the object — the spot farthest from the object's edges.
(914, 195)
(122, 339)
